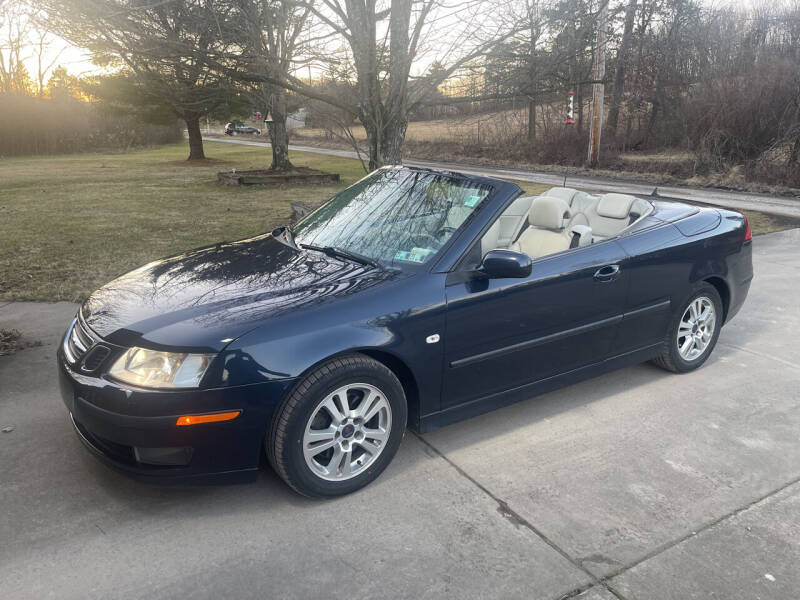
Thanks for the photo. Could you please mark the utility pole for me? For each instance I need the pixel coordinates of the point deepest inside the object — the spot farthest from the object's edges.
(598, 88)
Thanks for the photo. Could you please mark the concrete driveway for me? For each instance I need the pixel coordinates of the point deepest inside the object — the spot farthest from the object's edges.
(638, 484)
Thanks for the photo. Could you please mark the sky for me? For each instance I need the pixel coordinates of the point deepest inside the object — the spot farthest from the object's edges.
(78, 61)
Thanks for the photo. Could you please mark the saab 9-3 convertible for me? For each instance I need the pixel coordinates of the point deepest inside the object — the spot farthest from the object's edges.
(413, 298)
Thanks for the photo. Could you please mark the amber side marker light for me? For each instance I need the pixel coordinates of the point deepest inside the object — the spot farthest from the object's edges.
(210, 418)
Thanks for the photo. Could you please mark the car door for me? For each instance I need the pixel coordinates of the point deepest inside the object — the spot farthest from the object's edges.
(505, 333)
(660, 270)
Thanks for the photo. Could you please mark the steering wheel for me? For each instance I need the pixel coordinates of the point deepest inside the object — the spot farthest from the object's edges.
(432, 240)
(425, 240)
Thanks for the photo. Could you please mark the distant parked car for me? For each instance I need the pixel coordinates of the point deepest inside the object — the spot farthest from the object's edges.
(240, 128)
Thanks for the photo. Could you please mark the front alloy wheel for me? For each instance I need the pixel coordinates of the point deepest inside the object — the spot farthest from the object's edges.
(347, 432)
(339, 427)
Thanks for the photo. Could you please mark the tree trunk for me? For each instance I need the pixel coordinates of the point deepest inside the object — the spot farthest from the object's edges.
(195, 139)
(531, 120)
(385, 140)
(794, 155)
(622, 67)
(660, 107)
(373, 142)
(535, 32)
(394, 135)
(278, 136)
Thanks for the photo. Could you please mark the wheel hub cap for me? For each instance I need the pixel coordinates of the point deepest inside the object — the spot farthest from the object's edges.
(347, 431)
(696, 328)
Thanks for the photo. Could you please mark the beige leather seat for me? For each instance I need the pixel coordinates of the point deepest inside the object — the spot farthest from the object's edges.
(580, 235)
(578, 202)
(607, 215)
(565, 193)
(545, 234)
(457, 215)
(507, 226)
(611, 214)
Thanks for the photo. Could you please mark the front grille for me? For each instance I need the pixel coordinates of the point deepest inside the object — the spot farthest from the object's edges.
(81, 347)
(95, 357)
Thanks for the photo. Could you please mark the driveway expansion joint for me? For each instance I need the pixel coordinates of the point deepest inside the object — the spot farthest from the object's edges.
(695, 532)
(760, 354)
(518, 520)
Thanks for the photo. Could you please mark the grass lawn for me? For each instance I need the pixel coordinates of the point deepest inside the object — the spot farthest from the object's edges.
(69, 224)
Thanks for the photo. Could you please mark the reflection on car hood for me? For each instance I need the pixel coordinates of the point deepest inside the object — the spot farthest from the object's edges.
(204, 298)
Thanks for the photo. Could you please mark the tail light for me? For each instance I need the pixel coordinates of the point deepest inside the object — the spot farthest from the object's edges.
(748, 235)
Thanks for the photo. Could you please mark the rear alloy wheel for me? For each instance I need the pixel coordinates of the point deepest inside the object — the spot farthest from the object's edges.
(696, 328)
(693, 332)
(339, 428)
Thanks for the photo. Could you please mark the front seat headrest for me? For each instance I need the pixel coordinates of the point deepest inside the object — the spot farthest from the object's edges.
(615, 206)
(548, 212)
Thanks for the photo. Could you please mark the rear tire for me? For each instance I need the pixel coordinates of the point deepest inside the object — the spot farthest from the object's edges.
(339, 428)
(693, 331)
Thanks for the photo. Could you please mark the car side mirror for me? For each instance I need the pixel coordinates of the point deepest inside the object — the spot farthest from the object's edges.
(499, 264)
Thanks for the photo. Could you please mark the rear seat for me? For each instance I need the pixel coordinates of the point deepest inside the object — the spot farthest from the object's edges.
(605, 215)
(612, 213)
(563, 218)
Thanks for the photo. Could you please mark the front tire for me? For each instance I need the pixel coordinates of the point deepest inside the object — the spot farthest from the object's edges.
(339, 428)
(693, 332)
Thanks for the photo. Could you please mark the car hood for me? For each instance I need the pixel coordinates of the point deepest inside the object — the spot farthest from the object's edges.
(203, 299)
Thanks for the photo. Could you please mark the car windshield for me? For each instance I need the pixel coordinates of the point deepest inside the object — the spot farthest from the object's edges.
(398, 217)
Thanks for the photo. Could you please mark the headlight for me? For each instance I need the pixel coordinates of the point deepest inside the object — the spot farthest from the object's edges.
(151, 368)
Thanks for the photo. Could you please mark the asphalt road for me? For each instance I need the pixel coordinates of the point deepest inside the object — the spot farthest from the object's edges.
(776, 205)
(639, 484)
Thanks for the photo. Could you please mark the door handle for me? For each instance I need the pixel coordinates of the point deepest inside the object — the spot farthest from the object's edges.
(607, 273)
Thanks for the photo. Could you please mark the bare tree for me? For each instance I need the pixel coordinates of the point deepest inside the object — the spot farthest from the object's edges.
(46, 57)
(14, 24)
(623, 55)
(164, 44)
(269, 33)
(383, 40)
(535, 27)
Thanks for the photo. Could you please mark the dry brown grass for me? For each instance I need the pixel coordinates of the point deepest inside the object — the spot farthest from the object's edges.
(498, 139)
(68, 224)
(454, 129)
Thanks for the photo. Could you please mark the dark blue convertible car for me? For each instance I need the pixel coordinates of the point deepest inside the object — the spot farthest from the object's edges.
(414, 297)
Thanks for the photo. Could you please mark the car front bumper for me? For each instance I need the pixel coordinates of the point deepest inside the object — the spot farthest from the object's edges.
(135, 432)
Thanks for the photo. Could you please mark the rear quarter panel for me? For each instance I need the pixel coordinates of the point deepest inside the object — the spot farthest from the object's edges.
(669, 260)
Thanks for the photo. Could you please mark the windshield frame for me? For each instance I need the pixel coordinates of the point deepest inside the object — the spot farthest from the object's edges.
(432, 263)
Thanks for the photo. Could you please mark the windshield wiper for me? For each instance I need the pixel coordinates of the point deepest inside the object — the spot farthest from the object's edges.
(342, 253)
